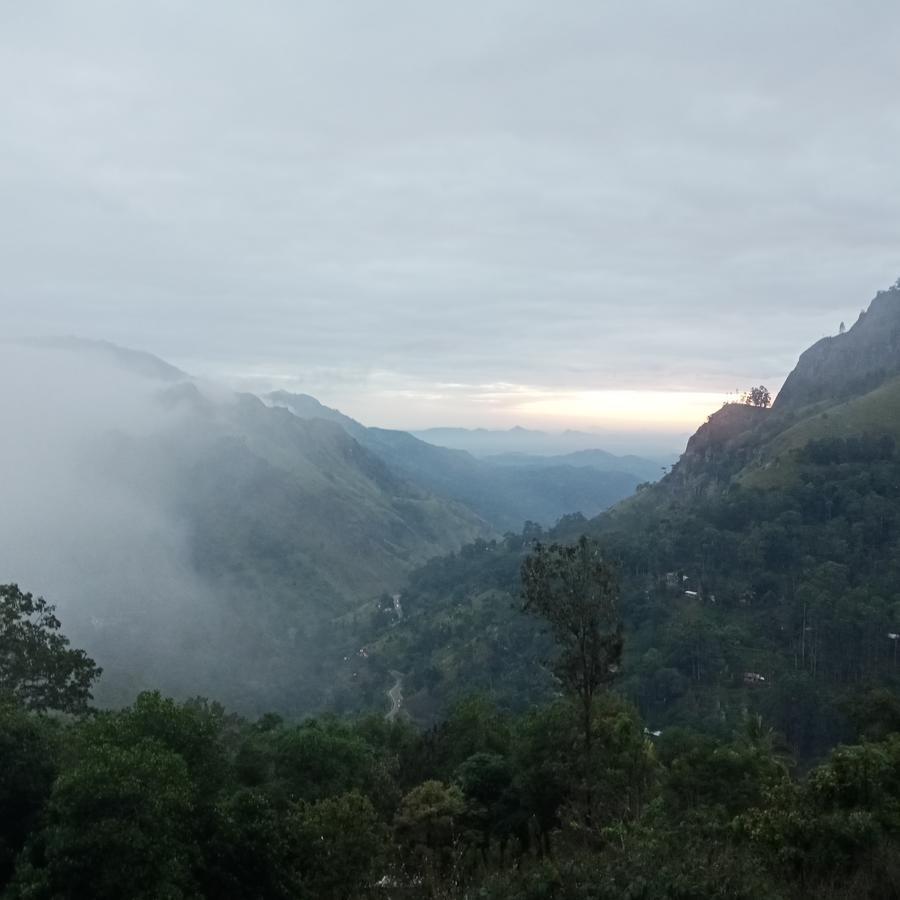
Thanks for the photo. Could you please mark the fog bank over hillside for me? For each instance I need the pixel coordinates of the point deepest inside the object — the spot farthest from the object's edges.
(201, 541)
(194, 539)
(107, 552)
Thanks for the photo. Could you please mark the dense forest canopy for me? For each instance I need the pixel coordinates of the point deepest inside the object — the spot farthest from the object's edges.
(167, 799)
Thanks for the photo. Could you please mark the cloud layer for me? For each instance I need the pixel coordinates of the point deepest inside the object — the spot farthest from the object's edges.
(375, 201)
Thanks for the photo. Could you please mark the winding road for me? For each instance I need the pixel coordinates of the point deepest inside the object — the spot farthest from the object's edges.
(395, 695)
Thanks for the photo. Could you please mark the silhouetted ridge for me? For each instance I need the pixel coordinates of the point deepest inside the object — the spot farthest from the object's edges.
(849, 364)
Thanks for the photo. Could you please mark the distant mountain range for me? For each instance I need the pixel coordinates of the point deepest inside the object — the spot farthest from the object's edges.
(600, 460)
(482, 442)
(506, 490)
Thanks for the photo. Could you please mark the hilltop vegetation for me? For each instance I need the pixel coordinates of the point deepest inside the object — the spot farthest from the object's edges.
(761, 574)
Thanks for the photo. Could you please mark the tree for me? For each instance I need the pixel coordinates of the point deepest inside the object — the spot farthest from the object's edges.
(491, 805)
(758, 397)
(37, 666)
(191, 730)
(28, 768)
(841, 824)
(320, 759)
(426, 826)
(249, 853)
(576, 592)
(339, 843)
(118, 824)
(474, 725)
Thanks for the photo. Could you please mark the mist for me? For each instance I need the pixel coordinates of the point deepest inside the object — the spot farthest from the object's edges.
(80, 529)
(193, 539)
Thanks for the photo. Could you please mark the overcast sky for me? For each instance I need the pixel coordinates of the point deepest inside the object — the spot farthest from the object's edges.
(458, 212)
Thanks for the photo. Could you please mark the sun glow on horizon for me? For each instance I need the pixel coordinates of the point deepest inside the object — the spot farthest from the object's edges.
(397, 400)
(629, 408)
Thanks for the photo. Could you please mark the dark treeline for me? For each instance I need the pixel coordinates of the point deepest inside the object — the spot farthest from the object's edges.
(183, 800)
(570, 799)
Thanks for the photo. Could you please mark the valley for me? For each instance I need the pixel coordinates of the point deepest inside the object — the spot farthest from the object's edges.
(450, 451)
(712, 674)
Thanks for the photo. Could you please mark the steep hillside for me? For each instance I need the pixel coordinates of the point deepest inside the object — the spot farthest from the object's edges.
(843, 386)
(303, 492)
(850, 364)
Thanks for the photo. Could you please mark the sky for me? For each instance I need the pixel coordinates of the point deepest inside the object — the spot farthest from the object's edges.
(596, 215)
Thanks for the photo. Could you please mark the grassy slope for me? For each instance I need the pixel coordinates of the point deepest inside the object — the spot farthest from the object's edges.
(874, 413)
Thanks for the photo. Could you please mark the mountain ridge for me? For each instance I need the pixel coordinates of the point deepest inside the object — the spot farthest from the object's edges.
(505, 496)
(482, 442)
(850, 363)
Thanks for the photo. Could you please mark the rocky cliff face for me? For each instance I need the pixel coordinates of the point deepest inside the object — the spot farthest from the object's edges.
(848, 364)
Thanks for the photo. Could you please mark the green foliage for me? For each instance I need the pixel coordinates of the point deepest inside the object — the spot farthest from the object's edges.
(462, 633)
(780, 603)
(37, 666)
(152, 801)
(250, 852)
(28, 768)
(758, 397)
(339, 843)
(874, 712)
(427, 828)
(722, 778)
(575, 592)
(473, 726)
(760, 624)
(119, 816)
(864, 448)
(318, 759)
(492, 810)
(841, 825)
